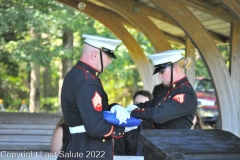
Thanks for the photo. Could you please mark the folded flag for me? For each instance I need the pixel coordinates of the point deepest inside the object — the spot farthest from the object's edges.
(111, 118)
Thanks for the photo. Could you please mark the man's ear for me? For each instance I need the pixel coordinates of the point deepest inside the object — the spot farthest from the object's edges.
(94, 55)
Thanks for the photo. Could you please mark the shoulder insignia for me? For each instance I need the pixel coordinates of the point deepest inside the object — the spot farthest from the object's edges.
(179, 98)
(97, 102)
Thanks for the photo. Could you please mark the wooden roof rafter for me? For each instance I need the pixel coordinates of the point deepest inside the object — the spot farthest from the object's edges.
(211, 9)
(141, 21)
(157, 13)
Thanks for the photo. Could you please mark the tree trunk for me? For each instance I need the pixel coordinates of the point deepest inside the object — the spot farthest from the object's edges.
(34, 99)
(66, 64)
(47, 79)
(34, 102)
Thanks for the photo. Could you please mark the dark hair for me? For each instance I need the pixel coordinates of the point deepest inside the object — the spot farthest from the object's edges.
(61, 121)
(143, 93)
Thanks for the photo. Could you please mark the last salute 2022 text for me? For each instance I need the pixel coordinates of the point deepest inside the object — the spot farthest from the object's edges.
(88, 154)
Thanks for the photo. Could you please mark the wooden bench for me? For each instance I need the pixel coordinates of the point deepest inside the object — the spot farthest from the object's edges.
(190, 144)
(27, 131)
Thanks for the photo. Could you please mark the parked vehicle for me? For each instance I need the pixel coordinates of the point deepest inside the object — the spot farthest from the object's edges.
(208, 112)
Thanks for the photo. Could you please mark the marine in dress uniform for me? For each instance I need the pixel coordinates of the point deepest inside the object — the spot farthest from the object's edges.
(83, 101)
(176, 105)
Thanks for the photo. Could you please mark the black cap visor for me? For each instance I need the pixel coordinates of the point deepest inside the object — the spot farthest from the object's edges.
(160, 67)
(108, 52)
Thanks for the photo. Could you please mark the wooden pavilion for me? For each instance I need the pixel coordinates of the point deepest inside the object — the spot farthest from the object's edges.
(191, 24)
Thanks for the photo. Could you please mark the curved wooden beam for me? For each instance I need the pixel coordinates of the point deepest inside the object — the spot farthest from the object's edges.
(141, 21)
(234, 63)
(178, 11)
(233, 6)
(190, 52)
(111, 20)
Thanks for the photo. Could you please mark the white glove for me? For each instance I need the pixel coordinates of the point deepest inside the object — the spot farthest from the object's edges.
(121, 113)
(131, 107)
(127, 129)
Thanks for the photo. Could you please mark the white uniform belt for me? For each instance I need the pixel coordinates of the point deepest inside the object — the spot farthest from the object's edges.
(77, 129)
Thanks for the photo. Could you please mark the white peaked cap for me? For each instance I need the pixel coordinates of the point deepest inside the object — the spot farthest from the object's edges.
(166, 57)
(97, 41)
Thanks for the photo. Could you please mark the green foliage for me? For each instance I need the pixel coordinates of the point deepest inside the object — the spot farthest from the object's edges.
(8, 66)
(49, 104)
(201, 68)
(225, 50)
